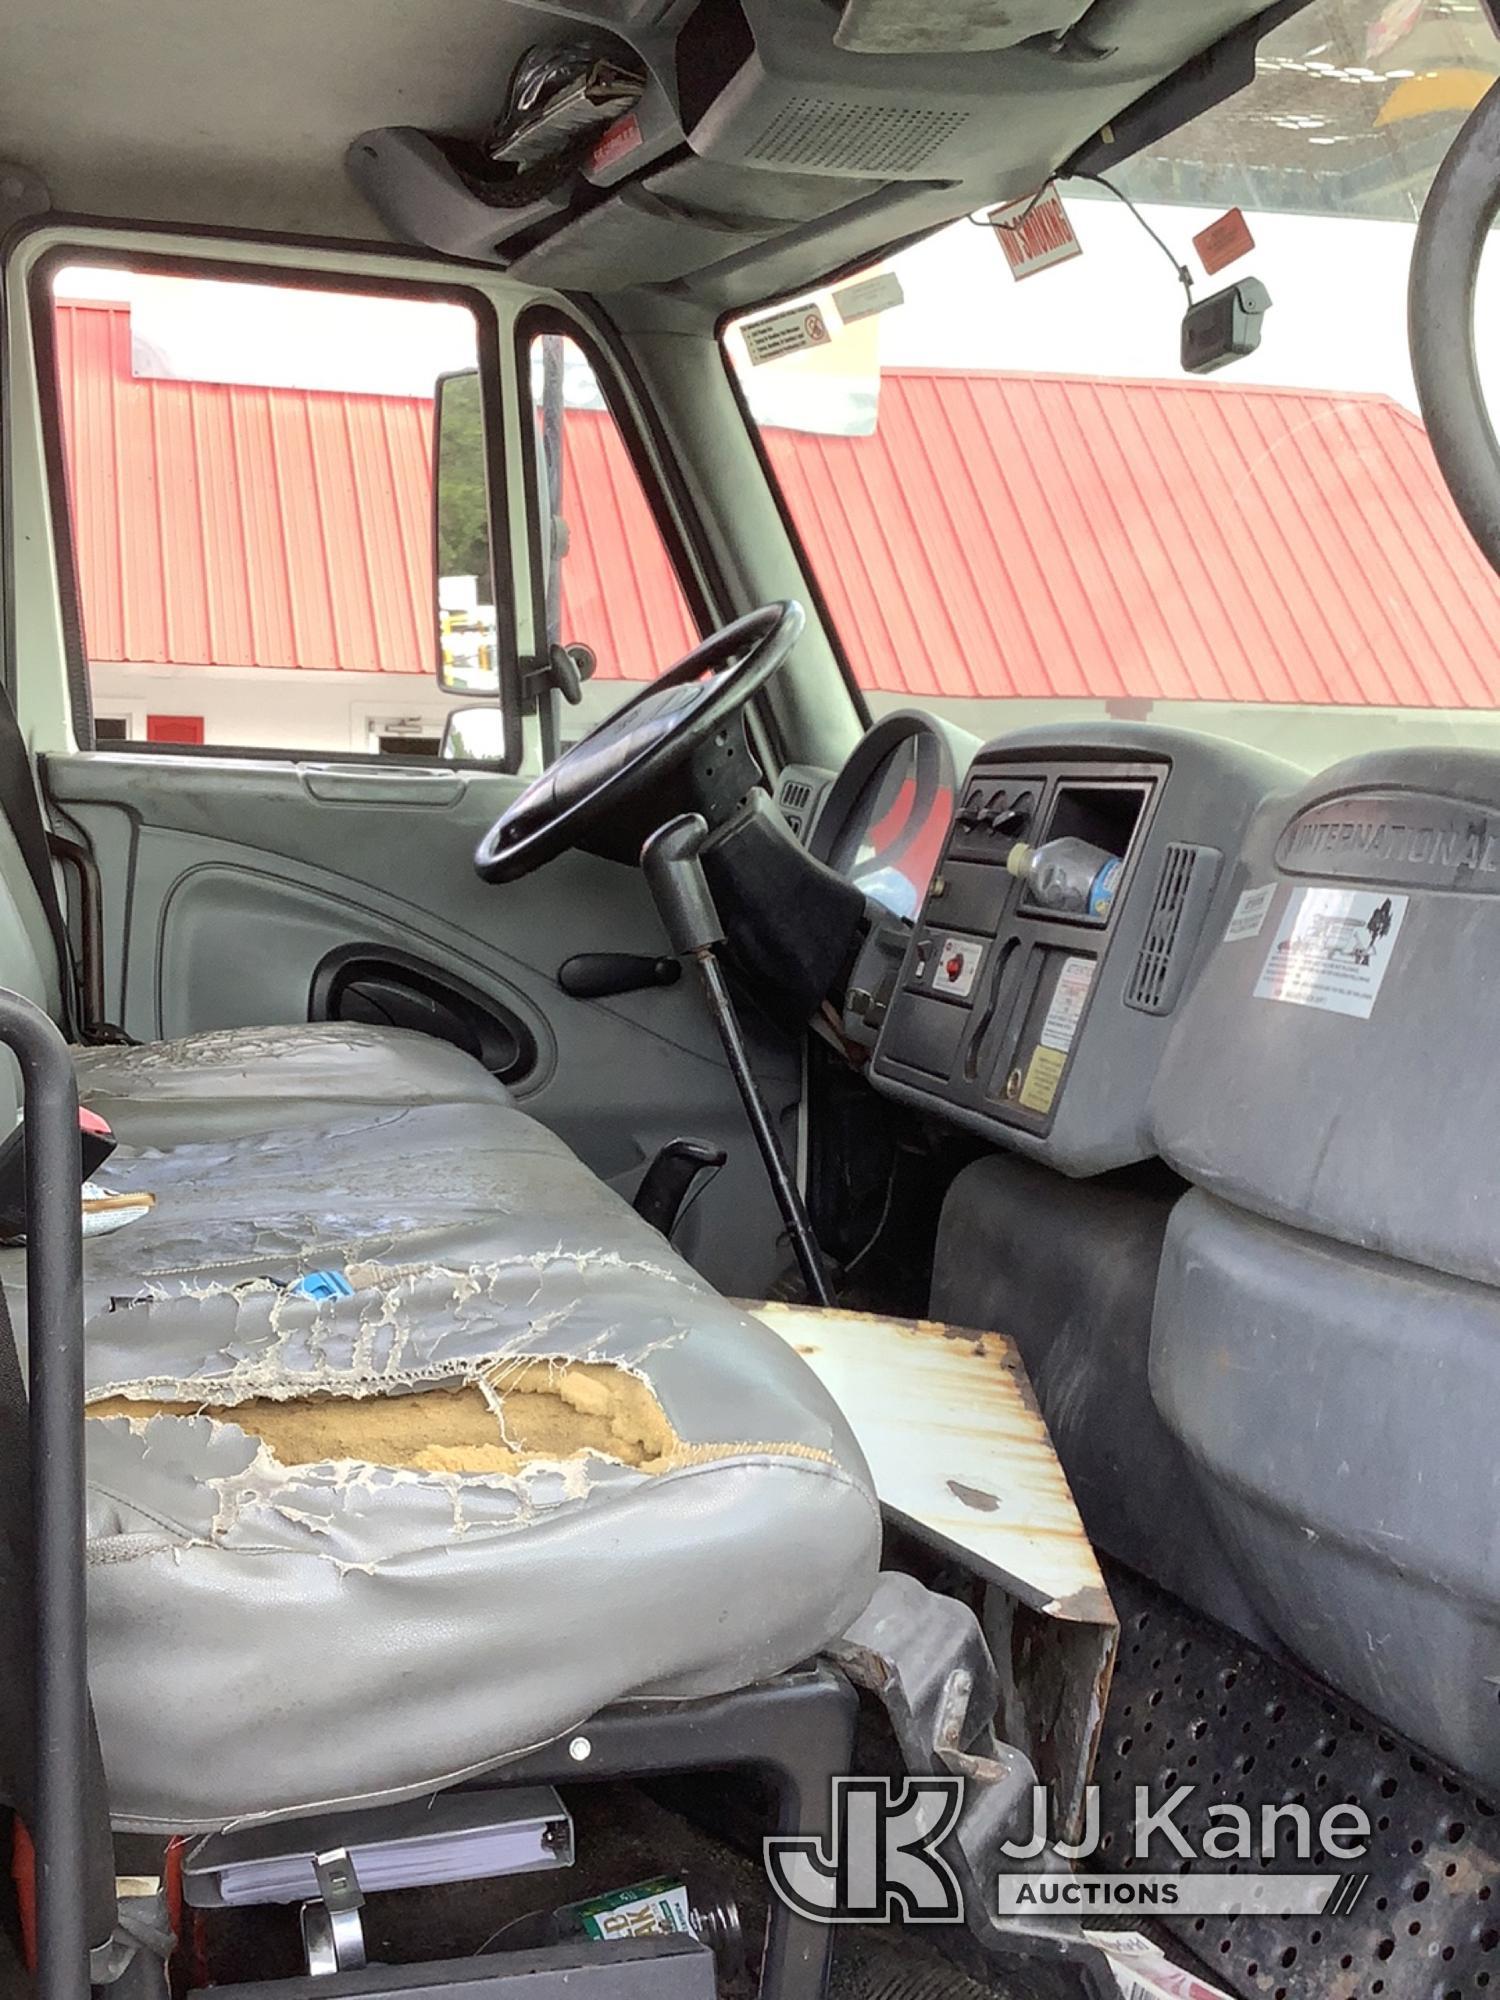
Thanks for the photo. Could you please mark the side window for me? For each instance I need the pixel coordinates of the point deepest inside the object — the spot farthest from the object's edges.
(249, 470)
(610, 587)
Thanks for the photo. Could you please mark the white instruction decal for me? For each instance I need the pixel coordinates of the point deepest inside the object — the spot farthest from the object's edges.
(957, 967)
(1068, 996)
(1250, 913)
(1331, 950)
(865, 296)
(785, 333)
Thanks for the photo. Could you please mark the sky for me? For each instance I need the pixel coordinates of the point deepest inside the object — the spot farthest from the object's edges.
(1337, 318)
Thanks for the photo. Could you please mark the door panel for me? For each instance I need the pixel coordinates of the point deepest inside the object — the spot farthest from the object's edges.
(228, 882)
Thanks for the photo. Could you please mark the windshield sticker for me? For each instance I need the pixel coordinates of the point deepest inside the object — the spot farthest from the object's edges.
(1066, 1011)
(785, 333)
(1224, 242)
(867, 296)
(1035, 233)
(1250, 913)
(1331, 950)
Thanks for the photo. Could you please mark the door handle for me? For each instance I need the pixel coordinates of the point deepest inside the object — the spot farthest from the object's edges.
(359, 786)
(596, 975)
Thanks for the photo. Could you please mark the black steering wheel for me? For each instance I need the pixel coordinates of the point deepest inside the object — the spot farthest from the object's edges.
(1450, 243)
(634, 748)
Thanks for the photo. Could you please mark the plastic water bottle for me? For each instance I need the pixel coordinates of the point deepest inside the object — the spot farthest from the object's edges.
(1069, 875)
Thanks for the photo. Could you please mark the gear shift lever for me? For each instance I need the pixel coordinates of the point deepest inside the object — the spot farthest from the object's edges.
(674, 874)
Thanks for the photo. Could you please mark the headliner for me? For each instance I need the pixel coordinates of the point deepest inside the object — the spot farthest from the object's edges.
(240, 116)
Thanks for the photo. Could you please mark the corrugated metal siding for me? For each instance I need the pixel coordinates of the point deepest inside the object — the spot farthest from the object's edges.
(620, 593)
(1007, 535)
(228, 526)
(999, 535)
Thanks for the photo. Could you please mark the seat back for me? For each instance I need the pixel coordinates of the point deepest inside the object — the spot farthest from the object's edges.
(1326, 1333)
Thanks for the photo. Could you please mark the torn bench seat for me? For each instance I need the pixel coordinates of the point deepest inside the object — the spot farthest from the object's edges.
(523, 1465)
(490, 1491)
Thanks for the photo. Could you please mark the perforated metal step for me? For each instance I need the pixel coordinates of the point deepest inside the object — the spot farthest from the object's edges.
(1194, 1704)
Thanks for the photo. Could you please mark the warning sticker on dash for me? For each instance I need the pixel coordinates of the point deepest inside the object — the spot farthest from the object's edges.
(1331, 950)
(1068, 997)
(1249, 915)
(1043, 1075)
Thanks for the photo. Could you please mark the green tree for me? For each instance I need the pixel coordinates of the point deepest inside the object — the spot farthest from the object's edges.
(463, 529)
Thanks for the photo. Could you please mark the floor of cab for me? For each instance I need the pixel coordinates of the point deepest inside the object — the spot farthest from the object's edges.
(622, 1836)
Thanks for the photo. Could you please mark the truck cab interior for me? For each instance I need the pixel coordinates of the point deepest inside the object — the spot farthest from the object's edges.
(761, 912)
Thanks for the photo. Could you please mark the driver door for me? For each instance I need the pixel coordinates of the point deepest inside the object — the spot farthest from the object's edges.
(249, 730)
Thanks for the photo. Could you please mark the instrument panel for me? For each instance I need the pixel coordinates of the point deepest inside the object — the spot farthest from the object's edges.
(1043, 1030)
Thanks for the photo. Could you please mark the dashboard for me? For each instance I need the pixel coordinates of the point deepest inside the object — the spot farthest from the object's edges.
(1039, 1030)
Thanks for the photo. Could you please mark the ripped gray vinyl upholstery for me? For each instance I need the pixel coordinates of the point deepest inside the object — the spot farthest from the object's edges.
(232, 1080)
(532, 1465)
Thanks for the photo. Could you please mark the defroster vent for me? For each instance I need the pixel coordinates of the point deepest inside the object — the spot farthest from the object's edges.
(1184, 890)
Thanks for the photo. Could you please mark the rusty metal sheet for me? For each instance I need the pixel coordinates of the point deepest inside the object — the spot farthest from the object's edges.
(958, 1448)
(962, 1461)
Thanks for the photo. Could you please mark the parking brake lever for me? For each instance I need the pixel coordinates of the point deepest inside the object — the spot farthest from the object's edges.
(671, 1177)
(674, 874)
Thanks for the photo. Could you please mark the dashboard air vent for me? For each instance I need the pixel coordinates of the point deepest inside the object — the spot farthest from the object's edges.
(797, 795)
(1184, 890)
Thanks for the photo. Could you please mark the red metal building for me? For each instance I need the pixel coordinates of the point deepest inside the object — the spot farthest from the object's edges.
(999, 535)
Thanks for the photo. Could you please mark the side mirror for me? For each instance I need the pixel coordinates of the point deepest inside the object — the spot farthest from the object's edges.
(467, 633)
(475, 736)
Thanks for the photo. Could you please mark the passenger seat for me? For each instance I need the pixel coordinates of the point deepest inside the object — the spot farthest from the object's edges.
(409, 1445)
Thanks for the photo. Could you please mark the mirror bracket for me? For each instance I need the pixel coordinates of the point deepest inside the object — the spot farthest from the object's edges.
(564, 670)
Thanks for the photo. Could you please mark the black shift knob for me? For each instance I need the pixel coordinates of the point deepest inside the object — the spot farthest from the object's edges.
(674, 874)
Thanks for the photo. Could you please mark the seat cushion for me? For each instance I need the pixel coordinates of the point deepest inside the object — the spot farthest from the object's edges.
(298, 1198)
(365, 1547)
(352, 1549)
(229, 1081)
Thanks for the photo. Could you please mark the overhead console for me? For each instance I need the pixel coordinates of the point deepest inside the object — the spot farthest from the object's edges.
(742, 104)
(1042, 1027)
(755, 123)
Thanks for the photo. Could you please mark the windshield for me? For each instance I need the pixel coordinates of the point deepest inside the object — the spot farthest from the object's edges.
(1020, 508)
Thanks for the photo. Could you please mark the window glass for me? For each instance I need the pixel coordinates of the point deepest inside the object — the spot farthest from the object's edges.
(1018, 505)
(608, 579)
(249, 471)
